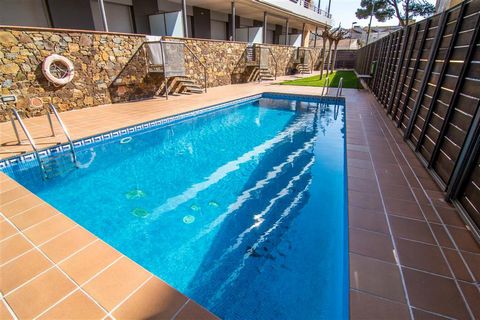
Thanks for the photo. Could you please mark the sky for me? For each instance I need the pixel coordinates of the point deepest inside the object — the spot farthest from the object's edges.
(343, 11)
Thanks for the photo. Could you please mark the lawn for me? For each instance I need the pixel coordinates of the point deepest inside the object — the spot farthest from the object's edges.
(349, 80)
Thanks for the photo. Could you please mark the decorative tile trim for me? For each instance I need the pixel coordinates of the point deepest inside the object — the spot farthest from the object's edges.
(55, 150)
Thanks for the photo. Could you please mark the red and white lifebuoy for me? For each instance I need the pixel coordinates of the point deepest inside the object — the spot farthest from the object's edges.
(58, 69)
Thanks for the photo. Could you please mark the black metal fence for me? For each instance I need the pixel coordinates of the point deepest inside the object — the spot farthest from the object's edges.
(427, 77)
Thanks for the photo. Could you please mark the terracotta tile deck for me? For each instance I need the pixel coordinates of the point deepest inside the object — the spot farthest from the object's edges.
(410, 253)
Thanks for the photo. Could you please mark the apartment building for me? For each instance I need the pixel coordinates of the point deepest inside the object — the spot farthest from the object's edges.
(256, 21)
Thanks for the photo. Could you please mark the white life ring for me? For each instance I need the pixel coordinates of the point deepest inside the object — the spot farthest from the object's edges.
(58, 69)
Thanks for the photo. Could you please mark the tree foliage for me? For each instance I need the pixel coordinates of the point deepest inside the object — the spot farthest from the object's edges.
(403, 10)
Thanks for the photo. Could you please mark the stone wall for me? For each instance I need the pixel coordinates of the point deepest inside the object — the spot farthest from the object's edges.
(112, 67)
(108, 68)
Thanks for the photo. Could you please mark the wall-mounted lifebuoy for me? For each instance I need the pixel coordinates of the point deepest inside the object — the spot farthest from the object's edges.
(58, 69)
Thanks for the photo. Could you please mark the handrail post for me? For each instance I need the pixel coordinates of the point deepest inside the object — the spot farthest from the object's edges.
(15, 130)
(164, 74)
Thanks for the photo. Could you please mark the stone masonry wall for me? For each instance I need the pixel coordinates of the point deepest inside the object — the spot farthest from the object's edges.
(108, 68)
(111, 67)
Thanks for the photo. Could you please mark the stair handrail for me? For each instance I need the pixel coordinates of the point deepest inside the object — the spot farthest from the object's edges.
(204, 66)
(51, 107)
(274, 60)
(29, 137)
(201, 63)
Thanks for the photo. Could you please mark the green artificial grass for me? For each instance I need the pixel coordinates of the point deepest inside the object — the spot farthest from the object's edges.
(349, 80)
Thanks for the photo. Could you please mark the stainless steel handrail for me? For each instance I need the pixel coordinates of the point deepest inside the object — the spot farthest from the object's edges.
(325, 85)
(64, 128)
(29, 137)
(340, 88)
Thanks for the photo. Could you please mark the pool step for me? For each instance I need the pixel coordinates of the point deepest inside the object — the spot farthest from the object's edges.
(57, 165)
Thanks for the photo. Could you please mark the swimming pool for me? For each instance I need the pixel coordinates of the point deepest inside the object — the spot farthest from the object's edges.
(241, 207)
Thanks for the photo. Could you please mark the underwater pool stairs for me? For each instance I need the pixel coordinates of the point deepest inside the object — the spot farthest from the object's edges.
(410, 255)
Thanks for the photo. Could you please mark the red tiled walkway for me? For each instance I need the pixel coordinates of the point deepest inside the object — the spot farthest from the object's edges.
(410, 253)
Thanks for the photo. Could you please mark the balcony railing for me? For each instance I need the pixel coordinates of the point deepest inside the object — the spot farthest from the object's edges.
(309, 5)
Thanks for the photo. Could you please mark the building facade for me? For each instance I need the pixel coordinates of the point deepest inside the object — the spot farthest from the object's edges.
(256, 21)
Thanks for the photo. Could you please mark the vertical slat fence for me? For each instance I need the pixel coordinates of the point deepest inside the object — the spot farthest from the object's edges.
(427, 77)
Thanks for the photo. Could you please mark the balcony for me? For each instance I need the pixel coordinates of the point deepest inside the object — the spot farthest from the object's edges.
(303, 8)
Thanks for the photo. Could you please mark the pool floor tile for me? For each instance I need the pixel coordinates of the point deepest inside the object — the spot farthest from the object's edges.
(22, 269)
(76, 306)
(154, 300)
(33, 298)
(116, 283)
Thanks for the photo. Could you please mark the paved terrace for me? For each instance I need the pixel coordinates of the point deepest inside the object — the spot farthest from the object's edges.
(410, 253)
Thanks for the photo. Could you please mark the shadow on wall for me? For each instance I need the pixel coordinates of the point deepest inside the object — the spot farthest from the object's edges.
(241, 72)
(134, 82)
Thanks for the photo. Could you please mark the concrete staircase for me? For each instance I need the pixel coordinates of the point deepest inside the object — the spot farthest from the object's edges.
(188, 85)
(182, 85)
(303, 68)
(264, 74)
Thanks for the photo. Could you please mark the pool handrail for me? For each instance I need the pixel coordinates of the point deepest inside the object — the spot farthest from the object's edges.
(14, 114)
(340, 88)
(325, 85)
(51, 107)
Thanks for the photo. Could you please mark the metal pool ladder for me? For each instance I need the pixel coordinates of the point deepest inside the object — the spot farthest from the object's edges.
(340, 88)
(52, 108)
(14, 116)
(325, 85)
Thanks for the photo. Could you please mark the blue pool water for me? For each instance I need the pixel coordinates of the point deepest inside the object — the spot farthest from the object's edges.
(242, 209)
